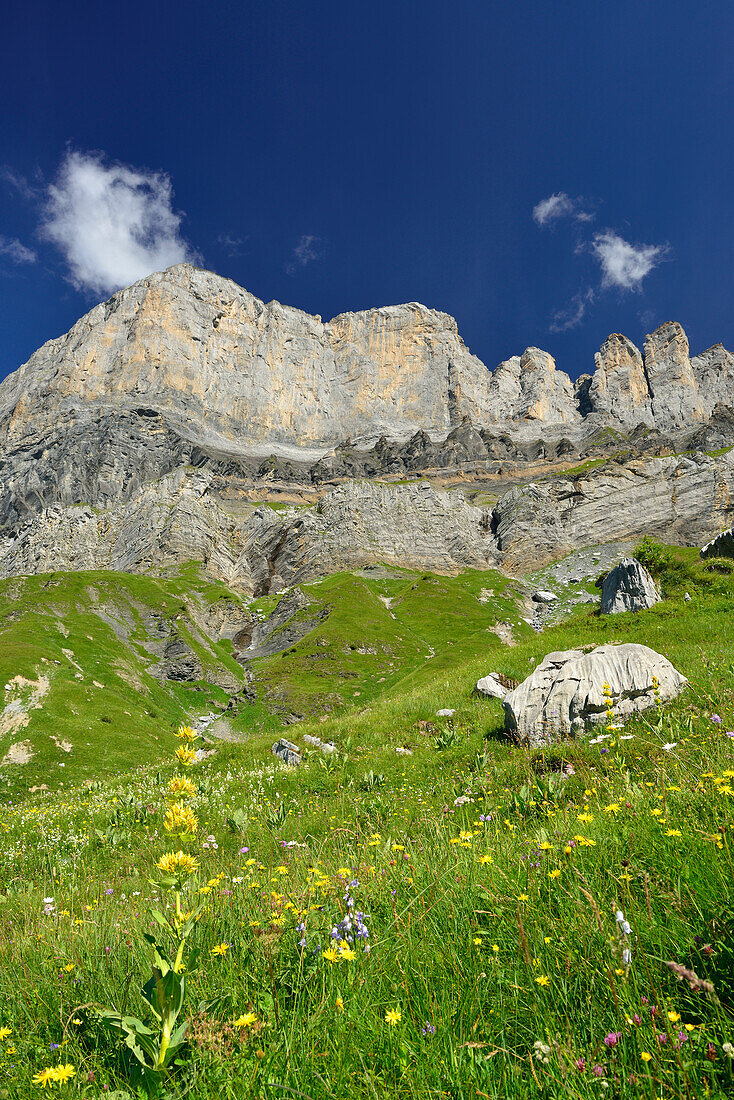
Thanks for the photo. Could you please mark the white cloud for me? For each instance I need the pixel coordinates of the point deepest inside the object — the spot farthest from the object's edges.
(574, 313)
(625, 265)
(305, 251)
(113, 224)
(560, 205)
(18, 253)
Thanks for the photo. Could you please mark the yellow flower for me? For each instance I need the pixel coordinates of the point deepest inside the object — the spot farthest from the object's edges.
(247, 1020)
(180, 819)
(689, 1027)
(612, 808)
(186, 733)
(545, 846)
(645, 1056)
(392, 1017)
(330, 954)
(220, 949)
(339, 1004)
(495, 947)
(64, 1073)
(346, 952)
(554, 874)
(465, 834)
(173, 862)
(568, 849)
(4, 1032)
(69, 967)
(584, 817)
(673, 832)
(674, 1017)
(45, 1077)
(180, 787)
(185, 756)
(347, 870)
(477, 941)
(523, 897)
(543, 979)
(585, 842)
(485, 859)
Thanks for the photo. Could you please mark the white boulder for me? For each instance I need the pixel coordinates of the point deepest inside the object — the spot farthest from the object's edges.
(565, 693)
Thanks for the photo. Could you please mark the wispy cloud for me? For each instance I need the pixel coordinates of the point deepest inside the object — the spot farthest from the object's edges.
(17, 182)
(233, 245)
(113, 223)
(625, 265)
(304, 253)
(574, 312)
(560, 205)
(16, 251)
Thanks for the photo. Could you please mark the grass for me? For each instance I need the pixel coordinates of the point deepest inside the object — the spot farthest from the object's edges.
(490, 878)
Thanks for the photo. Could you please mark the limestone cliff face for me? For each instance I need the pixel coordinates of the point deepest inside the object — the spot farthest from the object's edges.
(186, 368)
(528, 387)
(619, 388)
(228, 370)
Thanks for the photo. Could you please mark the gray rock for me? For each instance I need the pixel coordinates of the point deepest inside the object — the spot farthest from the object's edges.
(287, 752)
(565, 693)
(490, 687)
(544, 597)
(681, 499)
(720, 547)
(446, 712)
(628, 587)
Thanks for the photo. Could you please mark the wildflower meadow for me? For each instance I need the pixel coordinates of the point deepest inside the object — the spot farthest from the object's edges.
(463, 918)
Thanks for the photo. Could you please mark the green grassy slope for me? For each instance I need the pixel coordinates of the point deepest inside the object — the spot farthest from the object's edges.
(381, 626)
(75, 660)
(490, 876)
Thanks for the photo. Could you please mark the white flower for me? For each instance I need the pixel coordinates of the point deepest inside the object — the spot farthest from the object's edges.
(626, 956)
(670, 745)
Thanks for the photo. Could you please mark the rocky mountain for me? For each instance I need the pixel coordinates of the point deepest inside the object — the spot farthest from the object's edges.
(101, 429)
(261, 549)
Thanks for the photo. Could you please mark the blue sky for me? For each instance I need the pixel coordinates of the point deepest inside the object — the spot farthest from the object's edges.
(337, 156)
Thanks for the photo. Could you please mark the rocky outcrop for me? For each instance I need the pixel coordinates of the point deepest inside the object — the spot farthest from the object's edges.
(683, 499)
(177, 520)
(619, 389)
(720, 547)
(528, 387)
(565, 693)
(628, 587)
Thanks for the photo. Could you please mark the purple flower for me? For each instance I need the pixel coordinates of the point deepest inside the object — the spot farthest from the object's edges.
(108, 892)
(716, 718)
(730, 733)
(612, 1038)
(598, 1071)
(662, 1037)
(243, 850)
(580, 1064)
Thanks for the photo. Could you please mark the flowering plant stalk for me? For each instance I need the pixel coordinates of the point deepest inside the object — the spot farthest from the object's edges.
(155, 1048)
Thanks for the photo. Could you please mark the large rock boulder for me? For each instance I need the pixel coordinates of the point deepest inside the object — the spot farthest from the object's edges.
(565, 693)
(720, 547)
(629, 587)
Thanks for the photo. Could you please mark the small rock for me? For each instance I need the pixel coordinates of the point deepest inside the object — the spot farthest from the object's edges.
(490, 687)
(401, 751)
(687, 597)
(288, 752)
(446, 713)
(544, 597)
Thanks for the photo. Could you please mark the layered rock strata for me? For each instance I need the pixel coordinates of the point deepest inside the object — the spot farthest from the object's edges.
(259, 550)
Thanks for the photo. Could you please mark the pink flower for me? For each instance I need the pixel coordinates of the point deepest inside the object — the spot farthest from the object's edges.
(612, 1038)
